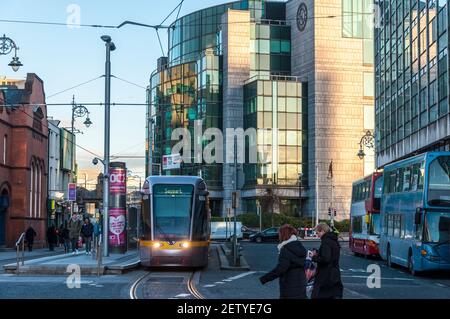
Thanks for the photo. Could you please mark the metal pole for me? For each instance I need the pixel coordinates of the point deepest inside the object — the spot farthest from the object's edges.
(300, 213)
(150, 146)
(109, 45)
(317, 194)
(235, 256)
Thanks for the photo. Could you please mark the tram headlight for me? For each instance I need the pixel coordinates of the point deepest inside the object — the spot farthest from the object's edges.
(157, 245)
(185, 244)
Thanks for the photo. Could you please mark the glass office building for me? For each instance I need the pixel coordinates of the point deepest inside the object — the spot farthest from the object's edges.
(188, 87)
(412, 112)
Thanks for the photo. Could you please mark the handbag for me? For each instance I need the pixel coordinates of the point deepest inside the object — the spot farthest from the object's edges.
(80, 242)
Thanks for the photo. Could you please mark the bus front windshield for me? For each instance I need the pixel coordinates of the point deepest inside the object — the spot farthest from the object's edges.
(439, 182)
(437, 228)
(172, 206)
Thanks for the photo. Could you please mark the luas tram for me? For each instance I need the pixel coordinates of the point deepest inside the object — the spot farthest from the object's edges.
(175, 222)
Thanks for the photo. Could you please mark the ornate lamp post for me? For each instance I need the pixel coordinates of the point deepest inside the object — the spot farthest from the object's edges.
(6, 47)
(368, 140)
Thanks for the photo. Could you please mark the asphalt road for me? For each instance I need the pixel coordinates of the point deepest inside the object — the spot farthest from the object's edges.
(214, 283)
(395, 283)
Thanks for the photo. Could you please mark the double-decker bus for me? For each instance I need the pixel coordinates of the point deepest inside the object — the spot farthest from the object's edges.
(415, 213)
(175, 222)
(365, 215)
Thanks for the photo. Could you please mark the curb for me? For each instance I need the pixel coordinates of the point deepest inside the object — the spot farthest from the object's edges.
(224, 263)
(36, 269)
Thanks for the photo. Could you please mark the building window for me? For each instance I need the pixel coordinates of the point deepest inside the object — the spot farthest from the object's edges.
(369, 84)
(357, 19)
(31, 189)
(5, 147)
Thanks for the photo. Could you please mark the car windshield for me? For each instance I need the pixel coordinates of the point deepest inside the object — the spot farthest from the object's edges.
(375, 225)
(437, 228)
(439, 182)
(172, 205)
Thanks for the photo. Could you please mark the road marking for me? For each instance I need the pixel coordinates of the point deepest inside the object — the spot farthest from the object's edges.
(441, 285)
(365, 277)
(241, 275)
(208, 286)
(359, 295)
(219, 283)
(182, 295)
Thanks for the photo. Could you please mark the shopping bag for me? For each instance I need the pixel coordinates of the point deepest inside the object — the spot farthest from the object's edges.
(80, 242)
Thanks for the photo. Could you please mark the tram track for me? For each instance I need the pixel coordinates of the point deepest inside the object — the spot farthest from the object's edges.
(190, 284)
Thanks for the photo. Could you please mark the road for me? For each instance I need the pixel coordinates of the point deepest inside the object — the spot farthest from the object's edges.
(213, 283)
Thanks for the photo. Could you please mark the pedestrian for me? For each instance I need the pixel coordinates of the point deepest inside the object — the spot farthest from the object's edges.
(60, 236)
(51, 237)
(290, 268)
(74, 232)
(29, 237)
(65, 234)
(87, 231)
(327, 283)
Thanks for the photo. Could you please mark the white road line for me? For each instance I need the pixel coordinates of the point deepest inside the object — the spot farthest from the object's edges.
(219, 283)
(441, 285)
(208, 286)
(241, 275)
(365, 277)
(182, 295)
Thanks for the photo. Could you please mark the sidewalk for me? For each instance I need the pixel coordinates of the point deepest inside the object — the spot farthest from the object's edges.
(58, 265)
(8, 255)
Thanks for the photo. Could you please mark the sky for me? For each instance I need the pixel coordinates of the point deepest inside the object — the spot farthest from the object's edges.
(64, 56)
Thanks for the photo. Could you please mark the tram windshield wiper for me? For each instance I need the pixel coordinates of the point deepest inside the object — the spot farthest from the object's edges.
(165, 237)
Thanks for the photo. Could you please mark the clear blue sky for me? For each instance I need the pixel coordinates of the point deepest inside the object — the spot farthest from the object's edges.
(65, 57)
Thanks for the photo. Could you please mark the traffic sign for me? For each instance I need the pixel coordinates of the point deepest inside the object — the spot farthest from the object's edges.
(72, 192)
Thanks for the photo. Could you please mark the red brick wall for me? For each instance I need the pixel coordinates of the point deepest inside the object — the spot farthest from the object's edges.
(26, 145)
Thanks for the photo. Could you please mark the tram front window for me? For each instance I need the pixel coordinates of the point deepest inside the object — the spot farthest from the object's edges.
(172, 206)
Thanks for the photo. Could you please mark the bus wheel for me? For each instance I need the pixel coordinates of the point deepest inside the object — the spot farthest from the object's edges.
(411, 269)
(389, 258)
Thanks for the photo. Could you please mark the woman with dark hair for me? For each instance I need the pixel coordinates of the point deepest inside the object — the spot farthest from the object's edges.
(327, 283)
(290, 268)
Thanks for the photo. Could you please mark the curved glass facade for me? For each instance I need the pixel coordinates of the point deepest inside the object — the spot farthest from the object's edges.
(188, 87)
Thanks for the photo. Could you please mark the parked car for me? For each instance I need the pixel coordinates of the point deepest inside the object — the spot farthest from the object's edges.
(225, 231)
(247, 232)
(269, 234)
(307, 233)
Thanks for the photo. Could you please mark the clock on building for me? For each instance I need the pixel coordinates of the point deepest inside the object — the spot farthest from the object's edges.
(302, 16)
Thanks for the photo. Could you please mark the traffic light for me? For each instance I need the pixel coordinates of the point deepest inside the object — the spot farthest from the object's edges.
(329, 212)
(335, 214)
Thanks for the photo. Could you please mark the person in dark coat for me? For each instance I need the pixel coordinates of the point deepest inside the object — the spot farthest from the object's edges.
(290, 268)
(65, 237)
(327, 283)
(87, 230)
(52, 238)
(29, 237)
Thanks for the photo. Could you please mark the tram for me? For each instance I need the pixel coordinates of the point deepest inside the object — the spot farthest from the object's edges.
(175, 222)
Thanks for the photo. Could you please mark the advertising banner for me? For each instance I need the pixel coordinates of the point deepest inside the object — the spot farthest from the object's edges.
(117, 234)
(117, 226)
(72, 192)
(171, 161)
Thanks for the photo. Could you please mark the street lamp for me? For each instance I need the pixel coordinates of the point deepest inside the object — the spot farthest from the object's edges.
(368, 140)
(6, 46)
(110, 46)
(79, 111)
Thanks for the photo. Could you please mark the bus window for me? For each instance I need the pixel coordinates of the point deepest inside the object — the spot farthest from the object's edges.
(437, 228)
(439, 182)
(375, 225)
(407, 180)
(357, 225)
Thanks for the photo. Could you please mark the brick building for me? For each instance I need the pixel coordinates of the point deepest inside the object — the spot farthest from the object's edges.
(23, 159)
